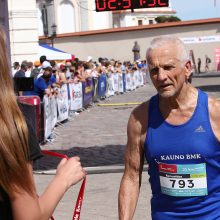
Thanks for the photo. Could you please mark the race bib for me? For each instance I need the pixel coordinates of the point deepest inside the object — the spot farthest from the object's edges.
(183, 180)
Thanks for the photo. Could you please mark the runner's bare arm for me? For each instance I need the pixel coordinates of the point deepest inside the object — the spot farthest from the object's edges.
(134, 160)
(214, 113)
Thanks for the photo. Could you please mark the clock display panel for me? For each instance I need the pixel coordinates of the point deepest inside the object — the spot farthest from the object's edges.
(113, 5)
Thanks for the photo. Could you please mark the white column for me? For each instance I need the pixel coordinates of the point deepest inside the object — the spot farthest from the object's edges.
(23, 27)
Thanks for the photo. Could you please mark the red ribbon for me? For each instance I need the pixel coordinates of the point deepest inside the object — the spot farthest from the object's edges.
(78, 206)
(55, 154)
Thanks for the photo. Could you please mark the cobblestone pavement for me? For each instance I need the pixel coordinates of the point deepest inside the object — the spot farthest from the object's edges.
(100, 199)
(98, 136)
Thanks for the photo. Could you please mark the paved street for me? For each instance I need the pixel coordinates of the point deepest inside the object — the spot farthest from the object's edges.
(98, 136)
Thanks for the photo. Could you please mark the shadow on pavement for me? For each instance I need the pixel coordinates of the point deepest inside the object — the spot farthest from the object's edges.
(210, 88)
(206, 75)
(90, 157)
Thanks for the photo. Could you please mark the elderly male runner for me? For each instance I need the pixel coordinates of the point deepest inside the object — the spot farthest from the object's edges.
(178, 131)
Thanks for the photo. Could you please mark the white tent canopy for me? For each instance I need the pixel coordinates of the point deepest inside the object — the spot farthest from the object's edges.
(52, 53)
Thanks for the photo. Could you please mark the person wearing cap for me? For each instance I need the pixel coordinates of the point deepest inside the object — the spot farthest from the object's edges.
(36, 69)
(44, 83)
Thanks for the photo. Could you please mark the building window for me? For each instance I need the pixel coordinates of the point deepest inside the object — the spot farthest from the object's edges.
(151, 21)
(66, 17)
(140, 22)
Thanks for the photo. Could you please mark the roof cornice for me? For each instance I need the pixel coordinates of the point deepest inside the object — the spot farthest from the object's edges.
(142, 27)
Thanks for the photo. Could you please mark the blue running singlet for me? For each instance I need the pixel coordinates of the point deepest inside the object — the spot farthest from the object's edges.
(184, 165)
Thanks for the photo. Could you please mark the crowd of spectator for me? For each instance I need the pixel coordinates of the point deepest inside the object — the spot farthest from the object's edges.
(49, 75)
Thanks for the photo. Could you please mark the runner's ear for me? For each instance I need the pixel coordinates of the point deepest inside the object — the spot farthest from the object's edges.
(188, 68)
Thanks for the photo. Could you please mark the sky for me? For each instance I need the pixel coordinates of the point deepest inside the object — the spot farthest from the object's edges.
(196, 9)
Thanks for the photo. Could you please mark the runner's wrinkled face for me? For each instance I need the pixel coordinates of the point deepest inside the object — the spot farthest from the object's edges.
(167, 72)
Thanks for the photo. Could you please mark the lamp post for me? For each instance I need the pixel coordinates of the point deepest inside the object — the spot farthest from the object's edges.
(47, 10)
(54, 33)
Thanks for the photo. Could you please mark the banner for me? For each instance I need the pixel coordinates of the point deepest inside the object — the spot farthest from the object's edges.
(102, 86)
(124, 81)
(115, 82)
(110, 81)
(128, 81)
(133, 84)
(47, 118)
(202, 39)
(87, 92)
(62, 103)
(53, 107)
(120, 83)
(136, 78)
(145, 77)
(76, 96)
(95, 89)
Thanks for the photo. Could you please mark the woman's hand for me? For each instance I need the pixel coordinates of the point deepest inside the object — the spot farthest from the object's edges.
(70, 171)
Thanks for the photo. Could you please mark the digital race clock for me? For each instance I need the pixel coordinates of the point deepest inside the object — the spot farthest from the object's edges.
(112, 5)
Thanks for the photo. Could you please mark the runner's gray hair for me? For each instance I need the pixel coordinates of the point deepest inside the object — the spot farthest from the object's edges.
(163, 40)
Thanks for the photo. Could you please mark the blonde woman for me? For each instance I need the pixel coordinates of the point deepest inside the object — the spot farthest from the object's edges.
(18, 147)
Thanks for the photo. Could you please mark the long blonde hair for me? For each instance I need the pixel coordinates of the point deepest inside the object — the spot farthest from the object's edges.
(14, 154)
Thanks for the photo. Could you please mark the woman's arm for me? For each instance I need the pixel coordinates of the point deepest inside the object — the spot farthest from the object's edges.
(31, 207)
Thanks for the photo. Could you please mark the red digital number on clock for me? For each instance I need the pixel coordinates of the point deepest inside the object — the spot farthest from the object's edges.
(100, 5)
(153, 4)
(128, 5)
(112, 5)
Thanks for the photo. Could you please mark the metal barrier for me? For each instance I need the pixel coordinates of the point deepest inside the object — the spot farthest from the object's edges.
(73, 97)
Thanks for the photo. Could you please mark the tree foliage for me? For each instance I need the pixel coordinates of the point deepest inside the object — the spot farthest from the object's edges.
(163, 19)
